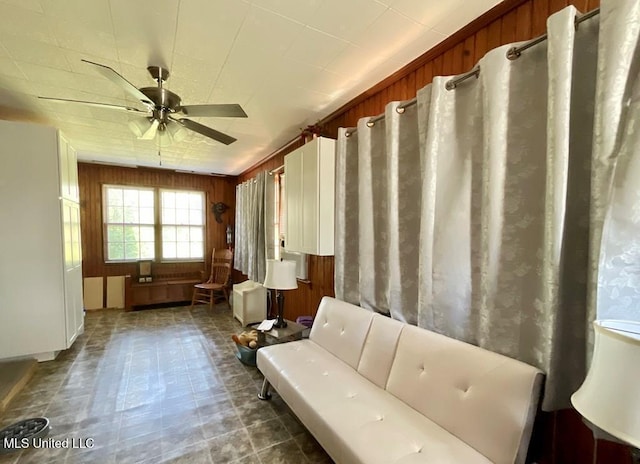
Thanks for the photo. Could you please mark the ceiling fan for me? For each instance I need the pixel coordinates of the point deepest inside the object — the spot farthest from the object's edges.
(163, 107)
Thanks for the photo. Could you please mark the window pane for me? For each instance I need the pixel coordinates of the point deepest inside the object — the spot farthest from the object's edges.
(146, 199)
(131, 198)
(114, 197)
(195, 201)
(182, 234)
(114, 214)
(182, 216)
(195, 217)
(168, 234)
(168, 200)
(169, 250)
(147, 250)
(131, 234)
(146, 234)
(196, 234)
(115, 234)
(183, 250)
(168, 216)
(131, 250)
(182, 200)
(146, 216)
(131, 215)
(115, 251)
(197, 250)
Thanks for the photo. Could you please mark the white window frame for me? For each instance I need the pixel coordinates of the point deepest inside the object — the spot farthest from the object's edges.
(143, 226)
(174, 222)
(157, 226)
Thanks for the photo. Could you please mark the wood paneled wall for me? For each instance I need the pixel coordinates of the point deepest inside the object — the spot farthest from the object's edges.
(92, 177)
(561, 437)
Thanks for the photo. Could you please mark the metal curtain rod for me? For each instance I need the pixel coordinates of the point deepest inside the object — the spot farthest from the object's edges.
(274, 170)
(512, 54)
(399, 109)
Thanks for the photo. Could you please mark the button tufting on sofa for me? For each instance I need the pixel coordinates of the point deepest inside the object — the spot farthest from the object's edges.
(423, 414)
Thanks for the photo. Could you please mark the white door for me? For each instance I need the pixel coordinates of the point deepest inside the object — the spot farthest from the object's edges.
(74, 311)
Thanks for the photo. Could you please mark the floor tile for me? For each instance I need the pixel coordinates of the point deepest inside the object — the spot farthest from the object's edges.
(230, 446)
(158, 385)
(287, 452)
(268, 433)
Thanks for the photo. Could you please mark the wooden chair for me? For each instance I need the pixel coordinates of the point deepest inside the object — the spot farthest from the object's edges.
(218, 280)
(222, 256)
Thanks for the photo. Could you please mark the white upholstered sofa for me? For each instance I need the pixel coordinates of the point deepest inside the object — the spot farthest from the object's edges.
(374, 390)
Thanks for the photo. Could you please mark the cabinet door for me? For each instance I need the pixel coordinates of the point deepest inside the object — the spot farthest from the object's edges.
(63, 154)
(293, 171)
(310, 198)
(72, 159)
(68, 166)
(74, 310)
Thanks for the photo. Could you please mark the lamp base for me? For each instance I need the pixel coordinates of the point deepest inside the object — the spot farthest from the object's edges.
(280, 322)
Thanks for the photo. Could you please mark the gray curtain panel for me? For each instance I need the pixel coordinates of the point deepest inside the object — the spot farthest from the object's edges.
(251, 227)
(479, 212)
(617, 155)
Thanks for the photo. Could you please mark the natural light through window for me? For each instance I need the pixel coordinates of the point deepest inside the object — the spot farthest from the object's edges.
(129, 223)
(182, 221)
(153, 224)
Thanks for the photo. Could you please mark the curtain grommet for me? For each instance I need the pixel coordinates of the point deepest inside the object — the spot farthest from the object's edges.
(513, 54)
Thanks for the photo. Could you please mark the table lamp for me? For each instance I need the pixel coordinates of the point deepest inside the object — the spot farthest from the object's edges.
(281, 275)
(609, 398)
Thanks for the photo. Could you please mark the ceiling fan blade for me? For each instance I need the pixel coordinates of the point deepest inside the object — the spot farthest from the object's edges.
(121, 82)
(151, 132)
(94, 104)
(231, 110)
(206, 131)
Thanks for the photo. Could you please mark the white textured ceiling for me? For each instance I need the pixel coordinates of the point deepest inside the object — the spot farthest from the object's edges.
(287, 62)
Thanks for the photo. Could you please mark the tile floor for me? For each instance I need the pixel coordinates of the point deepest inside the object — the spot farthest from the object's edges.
(159, 385)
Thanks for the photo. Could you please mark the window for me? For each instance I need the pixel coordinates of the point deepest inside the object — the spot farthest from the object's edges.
(129, 222)
(182, 224)
(135, 231)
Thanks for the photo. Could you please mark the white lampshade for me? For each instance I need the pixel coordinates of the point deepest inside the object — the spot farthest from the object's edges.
(281, 275)
(139, 126)
(177, 132)
(610, 395)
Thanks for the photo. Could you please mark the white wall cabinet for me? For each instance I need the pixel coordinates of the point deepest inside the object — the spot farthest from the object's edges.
(41, 309)
(310, 192)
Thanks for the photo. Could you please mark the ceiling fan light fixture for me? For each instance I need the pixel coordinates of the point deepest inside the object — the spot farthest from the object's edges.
(151, 131)
(139, 126)
(176, 131)
(164, 139)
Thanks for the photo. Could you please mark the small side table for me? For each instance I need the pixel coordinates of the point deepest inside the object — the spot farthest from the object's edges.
(293, 331)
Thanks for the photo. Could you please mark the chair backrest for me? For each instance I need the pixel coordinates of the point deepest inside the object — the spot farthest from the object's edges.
(220, 273)
(223, 256)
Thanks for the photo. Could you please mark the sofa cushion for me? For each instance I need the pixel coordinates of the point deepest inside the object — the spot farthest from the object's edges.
(351, 417)
(483, 398)
(341, 329)
(380, 349)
